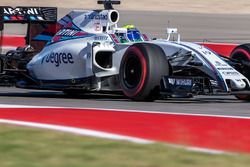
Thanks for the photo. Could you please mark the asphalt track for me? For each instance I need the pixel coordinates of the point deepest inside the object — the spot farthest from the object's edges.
(193, 27)
(205, 105)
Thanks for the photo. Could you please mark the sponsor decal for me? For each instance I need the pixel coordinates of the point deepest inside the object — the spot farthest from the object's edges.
(67, 32)
(20, 11)
(231, 73)
(101, 38)
(96, 16)
(180, 82)
(58, 58)
(225, 68)
(48, 14)
(217, 63)
(177, 85)
(206, 52)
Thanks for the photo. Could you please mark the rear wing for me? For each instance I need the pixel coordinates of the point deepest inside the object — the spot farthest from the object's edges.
(37, 18)
(28, 14)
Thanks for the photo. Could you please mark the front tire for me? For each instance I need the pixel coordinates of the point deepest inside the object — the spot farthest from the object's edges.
(240, 53)
(141, 70)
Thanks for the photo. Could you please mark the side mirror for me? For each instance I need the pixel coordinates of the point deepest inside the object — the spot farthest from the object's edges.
(171, 32)
(1, 19)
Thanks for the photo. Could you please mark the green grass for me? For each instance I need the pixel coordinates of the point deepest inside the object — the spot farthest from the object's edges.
(26, 147)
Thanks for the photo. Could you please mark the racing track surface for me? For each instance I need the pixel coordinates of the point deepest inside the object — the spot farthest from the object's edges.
(211, 105)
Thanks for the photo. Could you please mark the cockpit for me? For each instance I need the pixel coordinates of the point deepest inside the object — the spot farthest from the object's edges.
(129, 33)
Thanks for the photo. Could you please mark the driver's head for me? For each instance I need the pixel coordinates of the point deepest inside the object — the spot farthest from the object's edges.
(133, 33)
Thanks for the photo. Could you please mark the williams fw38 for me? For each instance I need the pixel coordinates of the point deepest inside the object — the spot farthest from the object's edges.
(86, 51)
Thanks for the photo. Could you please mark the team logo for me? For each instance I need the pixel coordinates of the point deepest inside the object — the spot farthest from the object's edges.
(96, 16)
(58, 58)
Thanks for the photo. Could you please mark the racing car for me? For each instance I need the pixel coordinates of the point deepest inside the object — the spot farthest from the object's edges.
(86, 51)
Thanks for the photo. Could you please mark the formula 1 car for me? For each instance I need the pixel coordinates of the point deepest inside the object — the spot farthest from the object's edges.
(89, 52)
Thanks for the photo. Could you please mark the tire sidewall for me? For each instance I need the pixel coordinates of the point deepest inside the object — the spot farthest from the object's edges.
(134, 51)
(156, 66)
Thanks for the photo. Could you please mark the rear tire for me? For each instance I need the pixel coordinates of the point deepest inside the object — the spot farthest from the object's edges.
(242, 52)
(141, 70)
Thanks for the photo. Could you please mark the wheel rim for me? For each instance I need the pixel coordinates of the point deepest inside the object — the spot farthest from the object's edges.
(132, 72)
(135, 64)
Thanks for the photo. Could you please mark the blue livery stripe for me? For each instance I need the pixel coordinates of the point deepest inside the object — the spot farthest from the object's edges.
(43, 38)
(6, 18)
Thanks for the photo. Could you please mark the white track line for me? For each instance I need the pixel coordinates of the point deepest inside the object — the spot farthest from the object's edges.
(124, 110)
(79, 131)
(199, 149)
(26, 106)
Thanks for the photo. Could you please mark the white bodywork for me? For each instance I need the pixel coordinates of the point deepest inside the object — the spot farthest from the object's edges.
(213, 65)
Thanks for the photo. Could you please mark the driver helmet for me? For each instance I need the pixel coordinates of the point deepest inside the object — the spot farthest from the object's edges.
(133, 33)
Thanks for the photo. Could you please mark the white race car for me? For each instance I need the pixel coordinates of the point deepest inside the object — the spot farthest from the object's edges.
(89, 52)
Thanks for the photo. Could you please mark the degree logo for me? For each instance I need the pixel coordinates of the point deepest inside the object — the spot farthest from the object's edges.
(58, 58)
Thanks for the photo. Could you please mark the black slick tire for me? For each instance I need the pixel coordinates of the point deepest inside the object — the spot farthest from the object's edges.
(141, 70)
